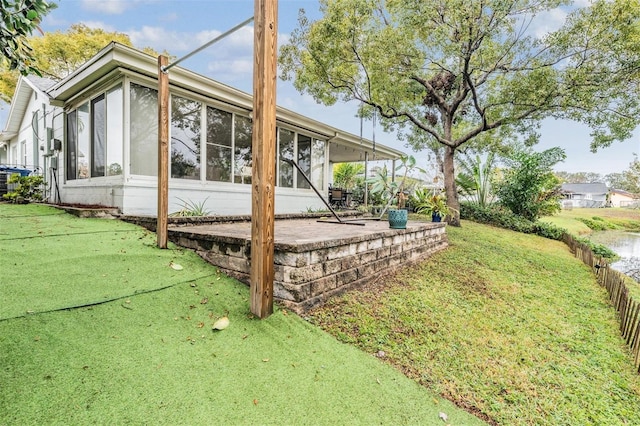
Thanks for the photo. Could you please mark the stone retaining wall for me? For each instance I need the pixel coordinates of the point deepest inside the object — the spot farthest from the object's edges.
(307, 274)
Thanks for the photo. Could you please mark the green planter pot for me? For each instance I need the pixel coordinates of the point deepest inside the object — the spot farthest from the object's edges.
(398, 219)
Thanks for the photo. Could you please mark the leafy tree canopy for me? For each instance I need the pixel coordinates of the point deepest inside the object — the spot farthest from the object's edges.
(19, 19)
(459, 72)
(627, 180)
(579, 177)
(57, 54)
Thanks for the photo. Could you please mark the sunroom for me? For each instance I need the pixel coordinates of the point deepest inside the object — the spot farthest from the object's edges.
(110, 126)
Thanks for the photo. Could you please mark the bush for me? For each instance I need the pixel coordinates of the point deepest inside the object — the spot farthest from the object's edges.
(598, 224)
(529, 187)
(503, 218)
(599, 249)
(29, 189)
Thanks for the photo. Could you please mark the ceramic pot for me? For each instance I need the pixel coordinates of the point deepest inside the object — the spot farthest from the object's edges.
(398, 219)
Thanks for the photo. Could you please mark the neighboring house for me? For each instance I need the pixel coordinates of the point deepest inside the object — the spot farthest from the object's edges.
(93, 136)
(584, 195)
(620, 198)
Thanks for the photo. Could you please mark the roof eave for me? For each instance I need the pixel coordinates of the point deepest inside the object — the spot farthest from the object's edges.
(117, 55)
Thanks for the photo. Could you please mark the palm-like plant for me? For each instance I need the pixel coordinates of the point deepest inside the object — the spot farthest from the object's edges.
(475, 178)
(394, 190)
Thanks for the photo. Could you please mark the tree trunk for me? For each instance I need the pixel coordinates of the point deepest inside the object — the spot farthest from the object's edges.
(450, 188)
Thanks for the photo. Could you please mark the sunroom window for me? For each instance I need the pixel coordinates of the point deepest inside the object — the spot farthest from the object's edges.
(219, 144)
(304, 160)
(185, 138)
(143, 130)
(286, 140)
(242, 131)
(89, 127)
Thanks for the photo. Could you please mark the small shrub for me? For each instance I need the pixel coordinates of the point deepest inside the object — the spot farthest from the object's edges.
(192, 208)
(29, 188)
(599, 249)
(598, 224)
(549, 230)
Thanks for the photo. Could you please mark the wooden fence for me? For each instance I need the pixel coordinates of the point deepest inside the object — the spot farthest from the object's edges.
(616, 284)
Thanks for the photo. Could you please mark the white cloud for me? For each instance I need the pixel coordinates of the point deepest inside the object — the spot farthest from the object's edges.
(111, 7)
(547, 22)
(160, 39)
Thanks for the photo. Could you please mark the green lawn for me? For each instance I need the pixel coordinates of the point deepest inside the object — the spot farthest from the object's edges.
(615, 218)
(509, 325)
(140, 349)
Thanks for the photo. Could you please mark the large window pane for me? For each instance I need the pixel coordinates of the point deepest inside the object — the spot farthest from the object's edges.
(304, 159)
(98, 141)
(70, 152)
(114, 131)
(286, 138)
(219, 142)
(185, 138)
(84, 136)
(143, 128)
(317, 163)
(242, 152)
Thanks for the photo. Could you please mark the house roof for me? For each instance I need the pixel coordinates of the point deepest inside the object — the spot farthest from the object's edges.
(116, 59)
(623, 193)
(585, 188)
(20, 101)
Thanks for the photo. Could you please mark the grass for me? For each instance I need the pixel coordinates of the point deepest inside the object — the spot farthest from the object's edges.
(580, 221)
(141, 350)
(507, 325)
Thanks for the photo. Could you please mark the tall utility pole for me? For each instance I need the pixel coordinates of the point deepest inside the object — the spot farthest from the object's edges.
(263, 156)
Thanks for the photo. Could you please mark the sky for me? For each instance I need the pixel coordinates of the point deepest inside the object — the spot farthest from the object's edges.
(181, 26)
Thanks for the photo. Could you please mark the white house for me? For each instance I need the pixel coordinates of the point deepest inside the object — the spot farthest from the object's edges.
(584, 195)
(93, 136)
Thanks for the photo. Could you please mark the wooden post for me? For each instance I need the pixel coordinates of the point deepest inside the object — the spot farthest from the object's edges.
(366, 176)
(163, 153)
(263, 156)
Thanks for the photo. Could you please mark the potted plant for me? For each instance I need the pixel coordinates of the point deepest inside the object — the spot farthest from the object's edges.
(436, 206)
(394, 191)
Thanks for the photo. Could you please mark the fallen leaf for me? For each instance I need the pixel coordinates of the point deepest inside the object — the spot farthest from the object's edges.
(200, 325)
(221, 324)
(265, 360)
(204, 301)
(443, 416)
(255, 402)
(176, 266)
